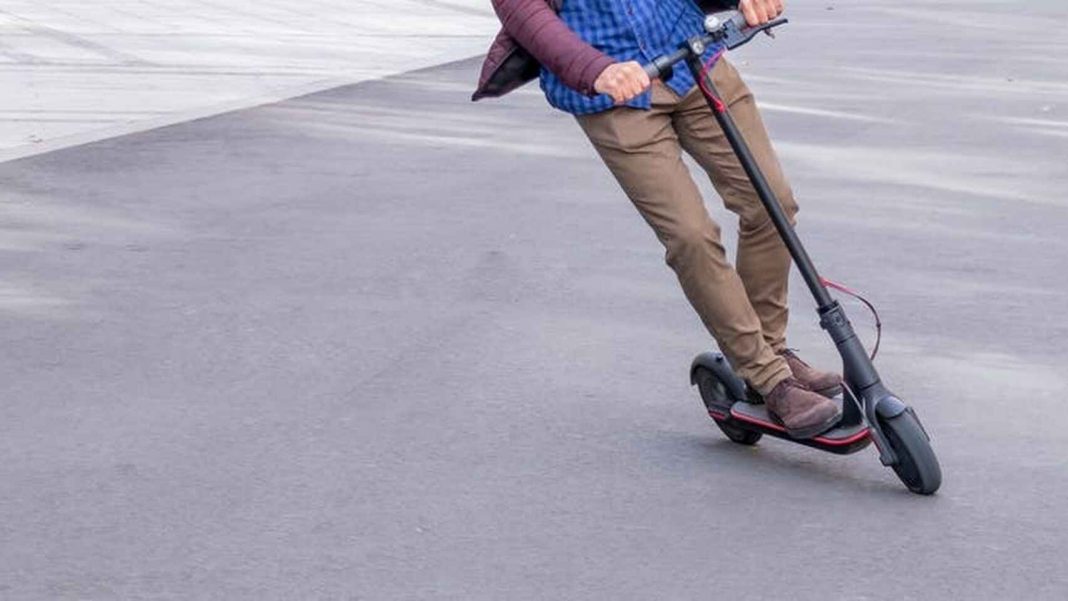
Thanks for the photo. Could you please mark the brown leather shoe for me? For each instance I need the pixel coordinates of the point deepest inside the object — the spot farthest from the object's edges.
(802, 412)
(820, 382)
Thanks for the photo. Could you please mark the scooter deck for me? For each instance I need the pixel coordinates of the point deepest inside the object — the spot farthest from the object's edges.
(841, 439)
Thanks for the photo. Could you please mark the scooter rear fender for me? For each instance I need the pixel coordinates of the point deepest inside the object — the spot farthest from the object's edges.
(721, 368)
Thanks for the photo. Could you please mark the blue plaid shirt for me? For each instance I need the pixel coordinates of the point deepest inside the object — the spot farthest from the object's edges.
(626, 30)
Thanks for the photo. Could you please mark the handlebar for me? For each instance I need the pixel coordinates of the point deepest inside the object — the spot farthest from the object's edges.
(728, 27)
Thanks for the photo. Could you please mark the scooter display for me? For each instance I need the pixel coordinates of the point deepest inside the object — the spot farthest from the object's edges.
(870, 411)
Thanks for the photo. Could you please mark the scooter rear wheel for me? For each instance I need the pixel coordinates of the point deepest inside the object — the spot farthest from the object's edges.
(917, 466)
(738, 435)
(714, 394)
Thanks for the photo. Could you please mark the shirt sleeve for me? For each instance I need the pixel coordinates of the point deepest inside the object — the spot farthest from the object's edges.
(538, 29)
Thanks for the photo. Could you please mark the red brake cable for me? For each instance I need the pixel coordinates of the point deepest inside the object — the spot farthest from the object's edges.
(703, 84)
(871, 307)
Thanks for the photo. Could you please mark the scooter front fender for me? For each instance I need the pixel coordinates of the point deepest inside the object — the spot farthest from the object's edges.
(890, 406)
(879, 408)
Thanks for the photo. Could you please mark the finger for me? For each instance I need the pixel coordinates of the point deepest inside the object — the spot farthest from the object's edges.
(779, 7)
(643, 79)
(761, 9)
(637, 78)
(750, 13)
(634, 70)
(635, 86)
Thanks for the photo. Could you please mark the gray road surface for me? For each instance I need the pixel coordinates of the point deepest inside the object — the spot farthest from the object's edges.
(382, 343)
(75, 72)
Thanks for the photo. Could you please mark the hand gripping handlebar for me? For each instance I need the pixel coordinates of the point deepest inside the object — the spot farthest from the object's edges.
(728, 28)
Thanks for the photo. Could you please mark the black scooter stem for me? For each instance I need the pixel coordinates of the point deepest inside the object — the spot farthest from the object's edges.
(857, 366)
(789, 237)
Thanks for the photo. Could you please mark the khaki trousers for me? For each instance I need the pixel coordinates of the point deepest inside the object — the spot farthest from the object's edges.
(745, 308)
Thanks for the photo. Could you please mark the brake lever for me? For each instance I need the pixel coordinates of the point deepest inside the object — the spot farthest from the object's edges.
(730, 28)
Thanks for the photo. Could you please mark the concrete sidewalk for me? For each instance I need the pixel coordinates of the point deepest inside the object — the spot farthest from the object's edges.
(73, 71)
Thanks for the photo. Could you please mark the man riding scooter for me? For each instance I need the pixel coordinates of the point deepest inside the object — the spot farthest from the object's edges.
(590, 54)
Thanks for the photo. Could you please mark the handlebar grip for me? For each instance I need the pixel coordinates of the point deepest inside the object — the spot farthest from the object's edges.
(661, 65)
(728, 28)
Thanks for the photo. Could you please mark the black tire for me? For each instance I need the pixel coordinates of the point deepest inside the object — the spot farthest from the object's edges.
(714, 395)
(738, 435)
(917, 466)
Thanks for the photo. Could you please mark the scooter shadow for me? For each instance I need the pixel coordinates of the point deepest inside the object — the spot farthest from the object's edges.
(798, 465)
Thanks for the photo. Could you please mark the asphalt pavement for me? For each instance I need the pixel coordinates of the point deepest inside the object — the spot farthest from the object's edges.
(77, 72)
(380, 342)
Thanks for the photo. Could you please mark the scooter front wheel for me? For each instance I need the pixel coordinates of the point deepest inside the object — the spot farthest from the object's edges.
(916, 466)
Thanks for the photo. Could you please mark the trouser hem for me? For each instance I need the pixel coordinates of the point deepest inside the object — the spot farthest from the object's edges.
(764, 384)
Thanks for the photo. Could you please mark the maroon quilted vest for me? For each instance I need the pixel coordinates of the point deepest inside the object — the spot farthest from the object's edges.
(507, 65)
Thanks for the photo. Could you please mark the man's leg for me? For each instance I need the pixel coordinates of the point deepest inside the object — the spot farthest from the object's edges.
(642, 150)
(763, 261)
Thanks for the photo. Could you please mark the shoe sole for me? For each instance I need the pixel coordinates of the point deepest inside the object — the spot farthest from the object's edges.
(811, 431)
(830, 392)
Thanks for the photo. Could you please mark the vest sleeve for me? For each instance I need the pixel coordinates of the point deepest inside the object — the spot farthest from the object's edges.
(538, 29)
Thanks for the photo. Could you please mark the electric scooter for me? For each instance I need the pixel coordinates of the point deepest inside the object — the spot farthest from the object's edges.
(870, 412)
